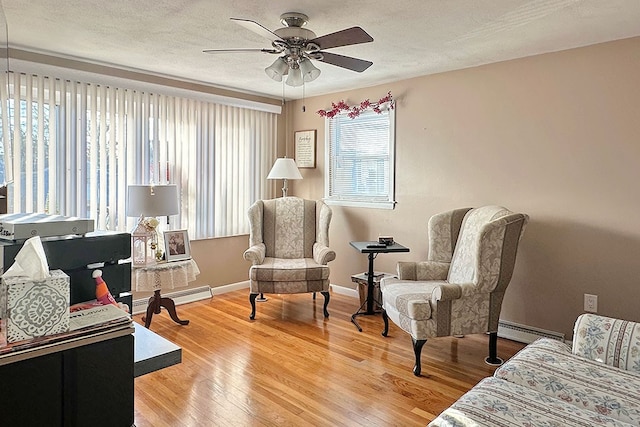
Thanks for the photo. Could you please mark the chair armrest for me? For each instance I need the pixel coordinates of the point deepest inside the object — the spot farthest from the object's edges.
(446, 292)
(610, 341)
(426, 270)
(255, 254)
(322, 254)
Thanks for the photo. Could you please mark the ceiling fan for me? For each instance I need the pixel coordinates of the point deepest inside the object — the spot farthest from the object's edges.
(297, 46)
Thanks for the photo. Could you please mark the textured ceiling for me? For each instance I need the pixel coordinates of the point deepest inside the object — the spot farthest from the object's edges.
(411, 38)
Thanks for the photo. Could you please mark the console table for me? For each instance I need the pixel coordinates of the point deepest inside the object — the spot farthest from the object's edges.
(372, 249)
(164, 275)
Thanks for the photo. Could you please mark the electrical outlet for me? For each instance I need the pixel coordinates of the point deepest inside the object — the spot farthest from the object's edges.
(591, 303)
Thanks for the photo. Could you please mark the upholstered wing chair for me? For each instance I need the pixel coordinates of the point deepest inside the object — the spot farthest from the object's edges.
(289, 248)
(459, 289)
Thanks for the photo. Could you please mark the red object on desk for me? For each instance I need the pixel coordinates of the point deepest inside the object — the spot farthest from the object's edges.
(102, 291)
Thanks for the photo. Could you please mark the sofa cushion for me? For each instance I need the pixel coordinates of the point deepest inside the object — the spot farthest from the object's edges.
(496, 402)
(548, 367)
(611, 341)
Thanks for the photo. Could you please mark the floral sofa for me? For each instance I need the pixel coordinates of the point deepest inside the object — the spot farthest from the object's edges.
(594, 383)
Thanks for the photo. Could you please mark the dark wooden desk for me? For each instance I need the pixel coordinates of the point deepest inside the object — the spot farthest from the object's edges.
(364, 247)
(153, 352)
(84, 381)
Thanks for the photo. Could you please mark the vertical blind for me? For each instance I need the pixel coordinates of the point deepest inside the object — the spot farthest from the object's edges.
(76, 146)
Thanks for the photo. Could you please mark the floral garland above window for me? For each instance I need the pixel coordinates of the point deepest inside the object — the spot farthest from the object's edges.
(355, 111)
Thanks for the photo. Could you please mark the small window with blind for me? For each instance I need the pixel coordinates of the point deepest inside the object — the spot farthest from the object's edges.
(361, 160)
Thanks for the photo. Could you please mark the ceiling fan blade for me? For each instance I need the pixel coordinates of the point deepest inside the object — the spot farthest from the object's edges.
(353, 35)
(257, 28)
(347, 62)
(239, 50)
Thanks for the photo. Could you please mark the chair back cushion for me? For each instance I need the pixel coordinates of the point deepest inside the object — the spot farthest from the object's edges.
(289, 227)
(444, 229)
(485, 252)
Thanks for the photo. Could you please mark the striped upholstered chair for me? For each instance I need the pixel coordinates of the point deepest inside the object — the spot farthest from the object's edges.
(459, 289)
(289, 248)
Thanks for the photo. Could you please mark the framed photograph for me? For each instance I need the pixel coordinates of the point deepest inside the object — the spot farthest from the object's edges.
(176, 245)
(305, 148)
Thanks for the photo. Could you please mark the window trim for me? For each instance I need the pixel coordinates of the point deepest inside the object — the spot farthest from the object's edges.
(364, 202)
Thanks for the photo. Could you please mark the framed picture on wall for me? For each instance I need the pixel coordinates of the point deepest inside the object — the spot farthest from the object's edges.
(305, 148)
(176, 245)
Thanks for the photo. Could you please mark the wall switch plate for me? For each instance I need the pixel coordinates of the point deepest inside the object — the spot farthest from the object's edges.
(591, 303)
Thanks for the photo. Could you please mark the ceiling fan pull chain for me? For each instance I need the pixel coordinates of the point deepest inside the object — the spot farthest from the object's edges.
(282, 91)
(304, 109)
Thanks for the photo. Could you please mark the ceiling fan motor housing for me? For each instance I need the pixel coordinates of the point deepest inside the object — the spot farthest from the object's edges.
(295, 34)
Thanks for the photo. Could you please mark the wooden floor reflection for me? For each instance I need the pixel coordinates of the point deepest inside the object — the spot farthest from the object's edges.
(293, 367)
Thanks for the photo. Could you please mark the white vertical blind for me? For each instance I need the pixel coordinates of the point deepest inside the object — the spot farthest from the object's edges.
(78, 145)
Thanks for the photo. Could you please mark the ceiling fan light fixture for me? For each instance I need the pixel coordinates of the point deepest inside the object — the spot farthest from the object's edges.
(295, 77)
(278, 69)
(309, 71)
(298, 47)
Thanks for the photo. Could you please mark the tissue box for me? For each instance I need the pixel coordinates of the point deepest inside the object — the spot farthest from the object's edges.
(34, 309)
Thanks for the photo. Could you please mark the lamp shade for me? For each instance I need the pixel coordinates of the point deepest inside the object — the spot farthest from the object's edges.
(284, 168)
(152, 200)
(295, 77)
(278, 69)
(309, 71)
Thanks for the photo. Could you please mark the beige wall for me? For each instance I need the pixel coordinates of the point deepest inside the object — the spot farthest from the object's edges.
(555, 136)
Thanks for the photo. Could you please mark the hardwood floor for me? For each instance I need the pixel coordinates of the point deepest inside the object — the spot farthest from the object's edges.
(291, 367)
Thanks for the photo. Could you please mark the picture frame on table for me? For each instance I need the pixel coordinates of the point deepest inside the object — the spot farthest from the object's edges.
(176, 245)
(305, 148)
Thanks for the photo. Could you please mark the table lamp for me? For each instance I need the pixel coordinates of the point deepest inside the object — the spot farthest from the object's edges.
(284, 168)
(144, 202)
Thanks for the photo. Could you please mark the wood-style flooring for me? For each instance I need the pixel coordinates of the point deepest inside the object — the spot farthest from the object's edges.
(291, 367)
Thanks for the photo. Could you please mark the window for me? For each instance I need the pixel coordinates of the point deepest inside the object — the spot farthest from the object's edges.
(361, 160)
(76, 147)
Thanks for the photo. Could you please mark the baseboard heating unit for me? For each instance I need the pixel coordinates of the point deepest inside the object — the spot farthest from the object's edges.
(525, 334)
(179, 297)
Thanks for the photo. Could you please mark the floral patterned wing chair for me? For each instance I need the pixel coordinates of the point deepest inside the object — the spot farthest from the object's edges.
(459, 289)
(289, 248)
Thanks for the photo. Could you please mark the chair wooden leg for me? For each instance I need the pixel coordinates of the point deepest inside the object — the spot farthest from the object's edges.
(326, 302)
(385, 318)
(493, 358)
(417, 349)
(252, 299)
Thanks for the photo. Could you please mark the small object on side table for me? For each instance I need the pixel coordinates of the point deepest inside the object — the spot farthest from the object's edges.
(385, 240)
